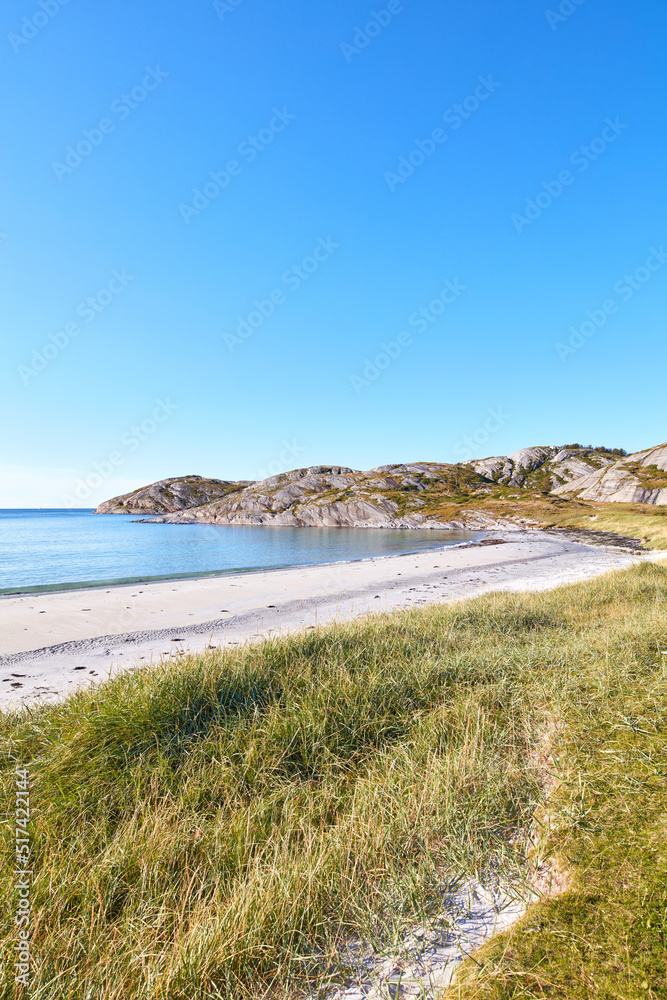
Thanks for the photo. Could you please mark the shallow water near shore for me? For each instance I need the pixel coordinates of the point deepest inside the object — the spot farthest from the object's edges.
(44, 549)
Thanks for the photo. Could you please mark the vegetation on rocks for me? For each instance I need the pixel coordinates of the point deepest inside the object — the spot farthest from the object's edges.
(539, 487)
(179, 493)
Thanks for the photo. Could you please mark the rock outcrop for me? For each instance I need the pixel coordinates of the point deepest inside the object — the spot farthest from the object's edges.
(168, 495)
(638, 478)
(544, 468)
(477, 494)
(336, 497)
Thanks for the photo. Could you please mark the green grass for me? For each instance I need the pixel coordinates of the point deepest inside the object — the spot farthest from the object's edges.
(216, 828)
(606, 936)
(643, 521)
(647, 522)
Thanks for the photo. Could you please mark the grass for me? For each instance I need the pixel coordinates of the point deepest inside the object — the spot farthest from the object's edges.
(643, 521)
(216, 828)
(607, 825)
(646, 522)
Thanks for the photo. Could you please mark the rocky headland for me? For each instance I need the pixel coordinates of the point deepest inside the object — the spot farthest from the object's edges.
(501, 492)
(169, 495)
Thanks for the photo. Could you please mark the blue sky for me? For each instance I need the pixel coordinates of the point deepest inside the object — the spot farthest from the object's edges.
(157, 321)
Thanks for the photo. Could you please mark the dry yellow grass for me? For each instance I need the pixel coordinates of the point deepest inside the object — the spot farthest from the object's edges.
(215, 829)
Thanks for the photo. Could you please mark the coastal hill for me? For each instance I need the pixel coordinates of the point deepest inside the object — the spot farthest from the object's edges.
(169, 495)
(537, 486)
(638, 478)
(547, 469)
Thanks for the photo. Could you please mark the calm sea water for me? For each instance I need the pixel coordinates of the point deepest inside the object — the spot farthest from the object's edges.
(56, 548)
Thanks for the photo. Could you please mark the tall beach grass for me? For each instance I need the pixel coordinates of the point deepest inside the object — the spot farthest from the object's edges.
(216, 828)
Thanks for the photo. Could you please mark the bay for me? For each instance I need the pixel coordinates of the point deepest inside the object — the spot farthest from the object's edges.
(57, 549)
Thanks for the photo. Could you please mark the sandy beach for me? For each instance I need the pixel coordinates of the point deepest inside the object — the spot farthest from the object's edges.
(51, 644)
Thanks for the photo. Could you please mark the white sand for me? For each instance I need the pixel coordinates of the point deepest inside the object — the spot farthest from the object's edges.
(429, 957)
(50, 644)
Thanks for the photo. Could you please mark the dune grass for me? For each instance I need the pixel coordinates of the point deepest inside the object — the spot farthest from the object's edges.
(606, 824)
(646, 522)
(216, 828)
(643, 521)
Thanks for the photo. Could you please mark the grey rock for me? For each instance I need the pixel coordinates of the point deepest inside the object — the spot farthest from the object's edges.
(638, 478)
(335, 496)
(407, 496)
(167, 495)
(555, 466)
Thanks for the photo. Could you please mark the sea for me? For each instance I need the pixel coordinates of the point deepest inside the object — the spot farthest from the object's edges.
(42, 550)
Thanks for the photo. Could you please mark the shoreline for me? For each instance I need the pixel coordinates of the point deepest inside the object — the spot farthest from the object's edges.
(83, 585)
(51, 646)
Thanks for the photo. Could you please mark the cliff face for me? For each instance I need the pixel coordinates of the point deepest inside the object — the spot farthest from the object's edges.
(180, 493)
(638, 478)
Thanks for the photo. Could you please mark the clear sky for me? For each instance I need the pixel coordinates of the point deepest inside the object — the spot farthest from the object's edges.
(242, 237)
